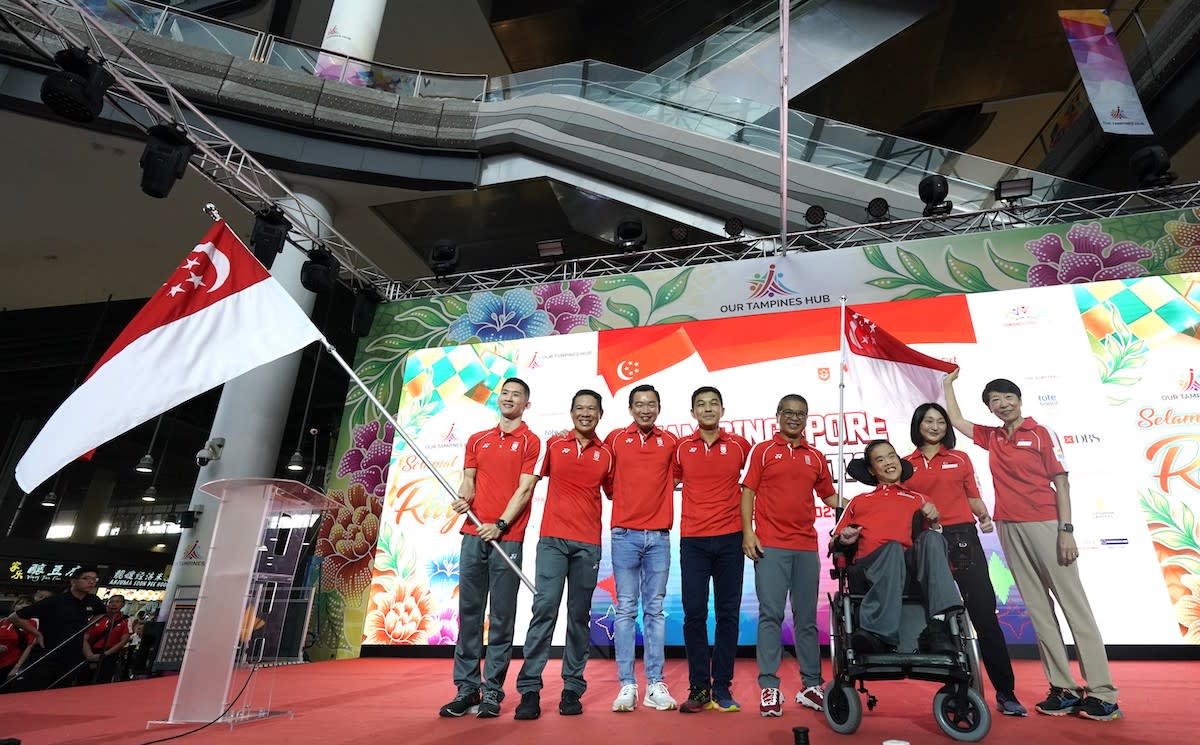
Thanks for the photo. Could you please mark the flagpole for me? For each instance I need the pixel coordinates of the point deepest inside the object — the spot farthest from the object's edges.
(419, 453)
(842, 412)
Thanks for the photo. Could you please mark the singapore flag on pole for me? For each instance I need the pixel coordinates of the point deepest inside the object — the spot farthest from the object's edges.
(219, 315)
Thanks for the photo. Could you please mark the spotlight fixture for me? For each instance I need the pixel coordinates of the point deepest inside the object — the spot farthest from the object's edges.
(150, 494)
(933, 190)
(271, 228)
(50, 499)
(363, 315)
(630, 235)
(296, 462)
(165, 159)
(443, 258)
(679, 233)
(550, 249)
(1152, 166)
(734, 227)
(319, 272)
(146, 464)
(878, 208)
(76, 91)
(1014, 189)
(815, 215)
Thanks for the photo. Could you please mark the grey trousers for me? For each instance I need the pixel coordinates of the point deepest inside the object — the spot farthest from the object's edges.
(482, 574)
(779, 572)
(576, 564)
(887, 568)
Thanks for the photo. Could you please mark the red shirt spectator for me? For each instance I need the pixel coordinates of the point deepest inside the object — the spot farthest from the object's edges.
(948, 480)
(499, 459)
(14, 641)
(577, 471)
(643, 479)
(107, 631)
(785, 479)
(885, 514)
(1022, 468)
(711, 477)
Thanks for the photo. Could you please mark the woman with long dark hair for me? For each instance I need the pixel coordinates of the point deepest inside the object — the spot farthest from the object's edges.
(947, 478)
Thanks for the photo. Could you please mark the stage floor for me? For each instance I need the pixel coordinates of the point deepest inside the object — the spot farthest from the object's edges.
(396, 701)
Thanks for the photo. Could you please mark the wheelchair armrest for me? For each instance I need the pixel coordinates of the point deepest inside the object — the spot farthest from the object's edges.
(842, 556)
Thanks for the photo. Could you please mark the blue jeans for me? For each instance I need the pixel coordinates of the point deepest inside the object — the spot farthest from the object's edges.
(641, 561)
(718, 558)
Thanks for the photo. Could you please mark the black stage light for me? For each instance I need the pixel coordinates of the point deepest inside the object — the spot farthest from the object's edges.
(271, 228)
(1152, 166)
(933, 190)
(443, 258)
(679, 233)
(551, 249)
(165, 159)
(1010, 190)
(319, 272)
(630, 235)
(734, 227)
(76, 92)
(815, 215)
(363, 315)
(878, 208)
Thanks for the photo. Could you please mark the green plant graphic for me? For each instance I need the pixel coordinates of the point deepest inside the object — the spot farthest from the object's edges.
(1174, 529)
(913, 273)
(1119, 354)
(668, 292)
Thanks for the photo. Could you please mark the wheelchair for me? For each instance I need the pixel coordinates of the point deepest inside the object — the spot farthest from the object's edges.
(958, 706)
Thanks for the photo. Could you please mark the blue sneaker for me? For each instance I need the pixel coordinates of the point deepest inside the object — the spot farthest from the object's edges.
(1059, 702)
(722, 700)
(1094, 708)
(1008, 705)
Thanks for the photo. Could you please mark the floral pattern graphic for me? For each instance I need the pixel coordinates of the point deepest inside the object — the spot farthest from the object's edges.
(366, 461)
(569, 304)
(491, 317)
(1186, 236)
(445, 628)
(1092, 257)
(443, 574)
(346, 541)
(1176, 538)
(401, 614)
(1187, 608)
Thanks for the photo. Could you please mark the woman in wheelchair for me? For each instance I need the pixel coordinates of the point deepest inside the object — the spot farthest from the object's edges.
(888, 544)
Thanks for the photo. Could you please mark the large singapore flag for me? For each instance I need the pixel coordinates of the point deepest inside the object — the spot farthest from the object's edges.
(219, 315)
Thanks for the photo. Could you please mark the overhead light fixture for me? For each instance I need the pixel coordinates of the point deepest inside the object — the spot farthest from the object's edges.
(550, 249)
(271, 228)
(296, 462)
(878, 208)
(146, 463)
(150, 494)
(362, 317)
(734, 227)
(1014, 189)
(165, 158)
(50, 499)
(933, 191)
(76, 91)
(159, 546)
(319, 272)
(630, 235)
(815, 215)
(443, 258)
(1151, 165)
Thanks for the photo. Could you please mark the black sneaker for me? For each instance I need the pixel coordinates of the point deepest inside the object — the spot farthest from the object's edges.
(1093, 708)
(699, 697)
(936, 639)
(489, 706)
(463, 703)
(530, 706)
(1059, 702)
(569, 704)
(868, 642)
(1008, 705)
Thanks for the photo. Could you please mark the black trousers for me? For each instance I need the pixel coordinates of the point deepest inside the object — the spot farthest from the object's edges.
(970, 569)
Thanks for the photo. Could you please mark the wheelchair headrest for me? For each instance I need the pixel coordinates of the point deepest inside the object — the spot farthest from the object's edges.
(858, 471)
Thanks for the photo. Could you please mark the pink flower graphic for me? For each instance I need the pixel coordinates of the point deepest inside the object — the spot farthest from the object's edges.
(445, 630)
(1092, 257)
(569, 304)
(367, 458)
(347, 541)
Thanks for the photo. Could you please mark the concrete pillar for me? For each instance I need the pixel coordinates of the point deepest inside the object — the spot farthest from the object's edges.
(353, 30)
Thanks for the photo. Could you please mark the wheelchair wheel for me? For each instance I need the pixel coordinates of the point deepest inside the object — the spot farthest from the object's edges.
(843, 708)
(965, 725)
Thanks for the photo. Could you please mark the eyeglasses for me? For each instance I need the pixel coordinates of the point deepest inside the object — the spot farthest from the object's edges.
(792, 414)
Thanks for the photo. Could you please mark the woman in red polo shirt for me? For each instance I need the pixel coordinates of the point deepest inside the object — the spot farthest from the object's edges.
(14, 643)
(947, 478)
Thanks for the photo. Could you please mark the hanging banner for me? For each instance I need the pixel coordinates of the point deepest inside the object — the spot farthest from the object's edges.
(1104, 72)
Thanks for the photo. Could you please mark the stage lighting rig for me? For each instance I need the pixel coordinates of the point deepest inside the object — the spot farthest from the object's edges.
(271, 228)
(1152, 166)
(815, 216)
(933, 190)
(76, 91)
(363, 315)
(878, 208)
(443, 258)
(165, 158)
(734, 227)
(320, 271)
(630, 235)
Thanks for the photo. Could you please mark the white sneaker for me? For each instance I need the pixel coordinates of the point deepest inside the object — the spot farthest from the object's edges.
(627, 699)
(658, 697)
(812, 697)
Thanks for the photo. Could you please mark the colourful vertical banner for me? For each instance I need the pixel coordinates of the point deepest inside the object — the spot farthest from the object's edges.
(1104, 72)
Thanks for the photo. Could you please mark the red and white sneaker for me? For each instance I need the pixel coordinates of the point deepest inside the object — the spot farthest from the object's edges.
(812, 697)
(770, 703)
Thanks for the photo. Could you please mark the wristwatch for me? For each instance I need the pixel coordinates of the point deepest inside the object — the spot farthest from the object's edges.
(502, 526)
(1066, 528)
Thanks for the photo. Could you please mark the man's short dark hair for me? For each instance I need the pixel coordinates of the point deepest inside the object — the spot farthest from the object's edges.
(84, 570)
(1000, 385)
(706, 389)
(948, 439)
(26, 599)
(644, 388)
(588, 392)
(519, 382)
(117, 595)
(791, 397)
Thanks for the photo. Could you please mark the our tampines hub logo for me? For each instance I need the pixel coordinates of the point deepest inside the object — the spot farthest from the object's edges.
(1188, 387)
(192, 557)
(1022, 315)
(769, 284)
(768, 290)
(1117, 113)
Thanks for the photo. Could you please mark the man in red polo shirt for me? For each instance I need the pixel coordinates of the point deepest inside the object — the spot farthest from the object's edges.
(642, 514)
(499, 473)
(103, 642)
(784, 477)
(578, 465)
(710, 462)
(1034, 524)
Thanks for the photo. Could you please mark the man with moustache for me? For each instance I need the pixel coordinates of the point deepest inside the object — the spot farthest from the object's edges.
(577, 465)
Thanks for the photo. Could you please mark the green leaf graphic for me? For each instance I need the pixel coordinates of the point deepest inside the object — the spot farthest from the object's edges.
(919, 293)
(874, 255)
(671, 291)
(967, 274)
(916, 268)
(1011, 269)
(425, 316)
(624, 310)
(889, 283)
(608, 284)
(597, 325)
(675, 319)
(454, 306)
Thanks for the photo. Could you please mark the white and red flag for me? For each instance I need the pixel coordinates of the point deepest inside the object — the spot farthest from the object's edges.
(219, 315)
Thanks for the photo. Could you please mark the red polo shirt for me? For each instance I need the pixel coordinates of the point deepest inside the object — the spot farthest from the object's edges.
(499, 459)
(643, 478)
(576, 473)
(785, 480)
(885, 514)
(948, 480)
(1022, 467)
(711, 476)
(105, 633)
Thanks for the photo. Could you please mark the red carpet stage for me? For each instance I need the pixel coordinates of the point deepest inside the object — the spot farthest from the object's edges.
(396, 700)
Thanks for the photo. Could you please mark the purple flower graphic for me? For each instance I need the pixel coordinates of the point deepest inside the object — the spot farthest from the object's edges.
(569, 303)
(491, 317)
(1092, 257)
(445, 628)
(366, 460)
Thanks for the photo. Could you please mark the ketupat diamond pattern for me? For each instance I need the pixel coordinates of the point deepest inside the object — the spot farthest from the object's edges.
(1150, 306)
(452, 372)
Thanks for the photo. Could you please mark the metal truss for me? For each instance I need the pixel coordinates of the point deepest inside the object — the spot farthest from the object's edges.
(816, 239)
(139, 91)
